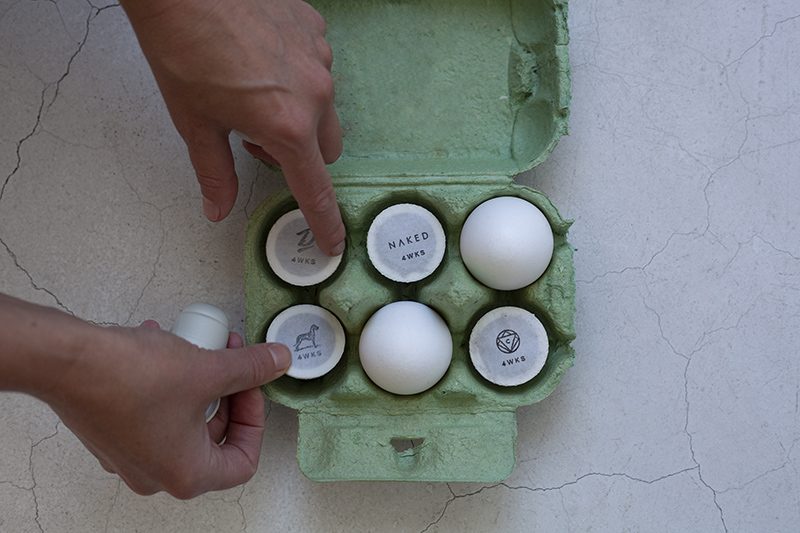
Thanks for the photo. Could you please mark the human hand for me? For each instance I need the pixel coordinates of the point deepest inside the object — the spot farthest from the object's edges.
(262, 68)
(136, 399)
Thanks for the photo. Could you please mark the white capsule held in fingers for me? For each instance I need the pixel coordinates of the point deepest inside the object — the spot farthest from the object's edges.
(205, 326)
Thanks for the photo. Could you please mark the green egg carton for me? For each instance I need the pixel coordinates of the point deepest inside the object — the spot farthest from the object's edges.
(442, 103)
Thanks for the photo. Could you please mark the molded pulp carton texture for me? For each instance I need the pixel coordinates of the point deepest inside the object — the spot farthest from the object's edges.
(442, 103)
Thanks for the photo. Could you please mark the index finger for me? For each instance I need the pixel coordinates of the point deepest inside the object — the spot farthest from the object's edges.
(311, 185)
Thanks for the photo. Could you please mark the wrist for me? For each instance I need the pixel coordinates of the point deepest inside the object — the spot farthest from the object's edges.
(38, 346)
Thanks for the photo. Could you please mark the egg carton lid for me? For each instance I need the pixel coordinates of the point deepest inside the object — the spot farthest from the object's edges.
(448, 88)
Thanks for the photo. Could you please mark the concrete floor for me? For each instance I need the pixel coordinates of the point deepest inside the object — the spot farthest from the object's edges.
(681, 172)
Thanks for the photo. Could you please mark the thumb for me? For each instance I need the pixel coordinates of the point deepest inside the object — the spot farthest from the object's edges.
(212, 160)
(252, 366)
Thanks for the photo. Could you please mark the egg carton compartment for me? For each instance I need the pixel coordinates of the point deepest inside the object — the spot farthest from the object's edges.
(440, 103)
(357, 290)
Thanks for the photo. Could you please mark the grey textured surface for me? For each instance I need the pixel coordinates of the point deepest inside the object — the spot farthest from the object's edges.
(681, 413)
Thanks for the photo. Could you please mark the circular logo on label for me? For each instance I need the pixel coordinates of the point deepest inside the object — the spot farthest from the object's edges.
(310, 337)
(507, 341)
(513, 356)
(406, 243)
(293, 254)
(314, 336)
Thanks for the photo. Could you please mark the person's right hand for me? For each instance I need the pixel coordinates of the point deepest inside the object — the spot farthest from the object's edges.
(136, 398)
(259, 67)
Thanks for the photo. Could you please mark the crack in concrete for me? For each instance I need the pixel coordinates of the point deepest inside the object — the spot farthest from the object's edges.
(713, 175)
(797, 401)
(771, 245)
(101, 8)
(60, 15)
(670, 135)
(688, 357)
(761, 39)
(250, 193)
(694, 156)
(645, 266)
(705, 57)
(557, 488)
(709, 181)
(93, 13)
(33, 283)
(222, 498)
(75, 144)
(22, 141)
(786, 462)
(13, 484)
(661, 330)
(600, 474)
(699, 345)
(32, 472)
(33, 447)
(453, 498)
(691, 445)
(241, 508)
(154, 272)
(134, 190)
(771, 147)
(36, 126)
(567, 516)
(113, 504)
(734, 257)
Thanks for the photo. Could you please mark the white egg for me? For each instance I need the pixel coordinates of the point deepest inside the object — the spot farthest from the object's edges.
(506, 243)
(405, 348)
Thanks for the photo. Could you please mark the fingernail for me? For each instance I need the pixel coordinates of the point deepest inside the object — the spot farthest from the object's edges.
(211, 210)
(338, 249)
(281, 356)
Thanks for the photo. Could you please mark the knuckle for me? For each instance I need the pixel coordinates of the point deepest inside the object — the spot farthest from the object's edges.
(183, 487)
(183, 492)
(325, 53)
(295, 129)
(319, 21)
(211, 182)
(254, 368)
(245, 471)
(323, 86)
(313, 18)
(249, 472)
(193, 132)
(141, 489)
